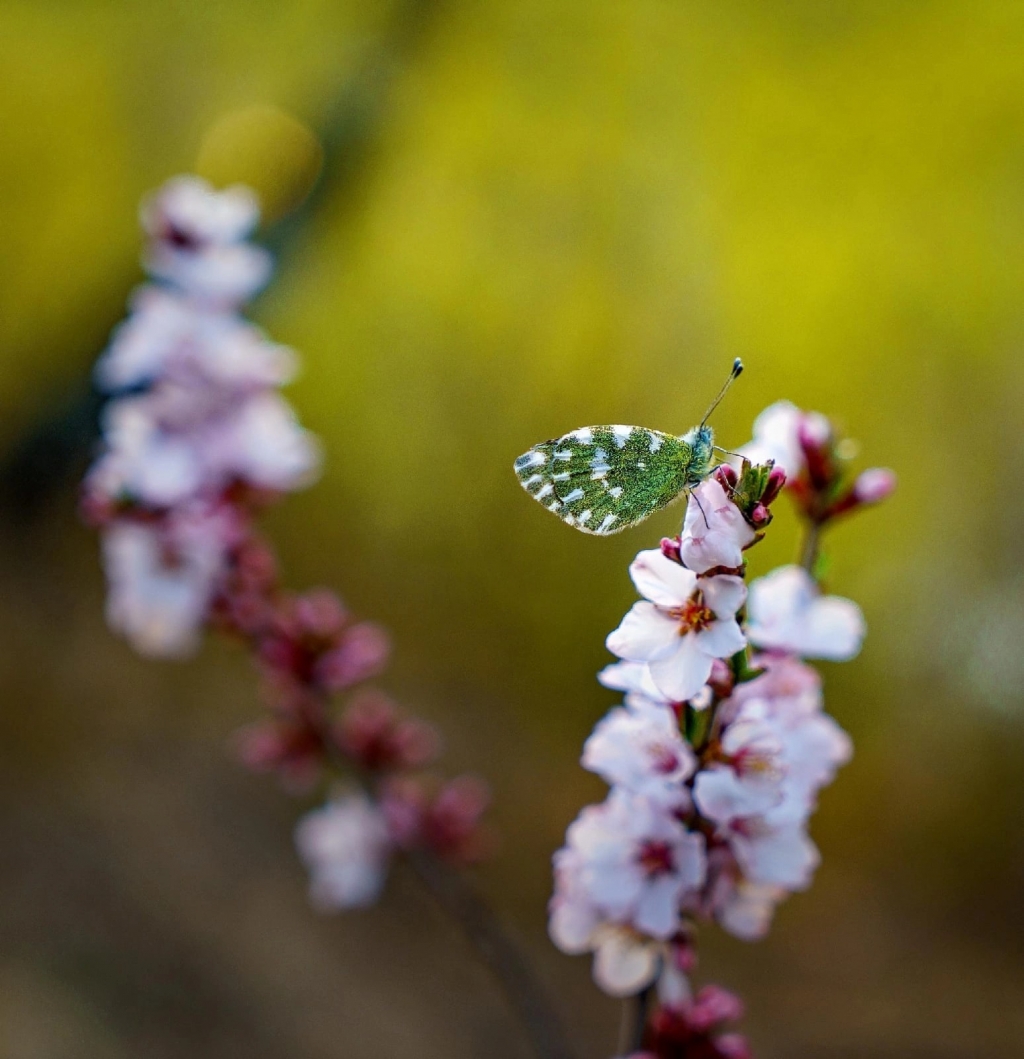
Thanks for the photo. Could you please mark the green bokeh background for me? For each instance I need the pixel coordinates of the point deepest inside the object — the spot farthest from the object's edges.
(533, 214)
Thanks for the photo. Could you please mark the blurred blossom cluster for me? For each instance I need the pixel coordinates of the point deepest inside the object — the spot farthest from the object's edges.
(196, 436)
(718, 751)
(197, 441)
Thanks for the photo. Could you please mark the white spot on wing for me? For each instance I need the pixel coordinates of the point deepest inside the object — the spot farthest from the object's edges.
(606, 525)
(563, 454)
(600, 472)
(546, 491)
(530, 459)
(534, 479)
(584, 434)
(655, 441)
(564, 476)
(621, 435)
(576, 494)
(585, 516)
(615, 492)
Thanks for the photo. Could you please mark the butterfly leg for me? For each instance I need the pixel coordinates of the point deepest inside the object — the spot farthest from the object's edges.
(693, 496)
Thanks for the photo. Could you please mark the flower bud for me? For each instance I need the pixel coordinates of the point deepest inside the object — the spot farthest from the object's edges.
(670, 549)
(760, 516)
(874, 485)
(726, 476)
(776, 481)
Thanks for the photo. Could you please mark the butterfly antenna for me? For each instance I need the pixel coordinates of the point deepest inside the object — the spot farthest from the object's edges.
(737, 368)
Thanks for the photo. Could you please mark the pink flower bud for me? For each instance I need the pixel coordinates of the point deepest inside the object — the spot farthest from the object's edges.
(713, 1006)
(670, 549)
(776, 481)
(726, 476)
(874, 485)
(361, 654)
(760, 516)
(721, 680)
(816, 439)
(319, 613)
(373, 733)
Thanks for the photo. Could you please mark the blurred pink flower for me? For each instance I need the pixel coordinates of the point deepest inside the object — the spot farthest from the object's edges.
(787, 612)
(346, 846)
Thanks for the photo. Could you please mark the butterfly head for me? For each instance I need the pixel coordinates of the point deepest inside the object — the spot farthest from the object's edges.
(702, 451)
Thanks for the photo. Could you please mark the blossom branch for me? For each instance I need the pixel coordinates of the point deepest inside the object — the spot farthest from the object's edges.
(716, 756)
(198, 441)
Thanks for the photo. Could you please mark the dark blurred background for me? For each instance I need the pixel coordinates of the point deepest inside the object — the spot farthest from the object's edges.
(529, 215)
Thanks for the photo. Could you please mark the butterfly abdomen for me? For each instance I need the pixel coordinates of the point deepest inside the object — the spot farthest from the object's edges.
(606, 478)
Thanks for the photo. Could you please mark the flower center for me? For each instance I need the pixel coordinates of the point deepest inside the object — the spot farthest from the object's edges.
(656, 858)
(759, 763)
(693, 615)
(664, 758)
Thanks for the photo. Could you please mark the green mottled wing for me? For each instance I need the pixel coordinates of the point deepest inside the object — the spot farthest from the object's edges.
(606, 479)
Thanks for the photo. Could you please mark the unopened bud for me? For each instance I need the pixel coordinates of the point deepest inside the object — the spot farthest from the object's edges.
(670, 549)
(726, 476)
(721, 680)
(816, 439)
(760, 516)
(874, 485)
(776, 480)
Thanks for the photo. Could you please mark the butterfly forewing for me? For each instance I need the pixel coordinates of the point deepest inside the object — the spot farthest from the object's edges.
(606, 479)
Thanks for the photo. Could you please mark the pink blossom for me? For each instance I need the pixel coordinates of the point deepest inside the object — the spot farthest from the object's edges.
(634, 678)
(168, 335)
(776, 438)
(162, 577)
(683, 624)
(634, 861)
(746, 909)
(188, 212)
(714, 531)
(787, 612)
(641, 750)
(196, 241)
(346, 847)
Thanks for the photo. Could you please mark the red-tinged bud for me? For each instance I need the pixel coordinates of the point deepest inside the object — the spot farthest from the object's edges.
(874, 485)
(714, 1005)
(722, 679)
(291, 749)
(726, 476)
(374, 733)
(817, 442)
(670, 549)
(452, 826)
(319, 614)
(361, 653)
(760, 516)
(776, 481)
(733, 1046)
(684, 956)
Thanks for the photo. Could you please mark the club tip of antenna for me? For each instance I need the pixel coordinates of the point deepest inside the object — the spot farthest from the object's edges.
(737, 367)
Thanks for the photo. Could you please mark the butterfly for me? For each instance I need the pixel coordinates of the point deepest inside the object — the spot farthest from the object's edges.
(606, 479)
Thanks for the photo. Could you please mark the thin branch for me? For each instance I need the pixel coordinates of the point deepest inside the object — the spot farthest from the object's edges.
(811, 545)
(634, 1022)
(497, 951)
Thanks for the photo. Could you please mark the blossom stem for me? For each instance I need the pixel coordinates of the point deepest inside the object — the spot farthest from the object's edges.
(634, 1022)
(494, 947)
(811, 546)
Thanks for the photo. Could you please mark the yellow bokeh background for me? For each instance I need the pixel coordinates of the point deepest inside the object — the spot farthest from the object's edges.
(496, 222)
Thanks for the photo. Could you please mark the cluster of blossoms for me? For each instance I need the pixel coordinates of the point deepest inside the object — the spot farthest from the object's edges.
(720, 747)
(197, 441)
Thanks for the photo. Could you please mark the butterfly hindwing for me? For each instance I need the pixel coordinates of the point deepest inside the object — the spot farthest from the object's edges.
(605, 479)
